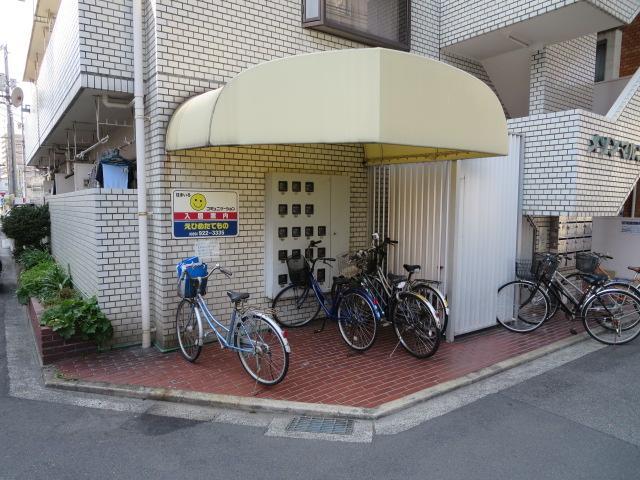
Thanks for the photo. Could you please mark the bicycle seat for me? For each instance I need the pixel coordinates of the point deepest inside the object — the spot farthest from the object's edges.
(395, 278)
(236, 297)
(594, 279)
(634, 269)
(411, 268)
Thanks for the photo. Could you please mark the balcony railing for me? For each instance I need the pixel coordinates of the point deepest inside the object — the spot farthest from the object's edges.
(384, 23)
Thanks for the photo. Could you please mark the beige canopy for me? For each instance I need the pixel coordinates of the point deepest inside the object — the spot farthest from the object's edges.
(402, 107)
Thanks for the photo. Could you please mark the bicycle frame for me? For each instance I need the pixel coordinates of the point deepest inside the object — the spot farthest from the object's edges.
(225, 341)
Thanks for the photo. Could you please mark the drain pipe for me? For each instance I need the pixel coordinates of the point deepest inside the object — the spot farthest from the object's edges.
(138, 99)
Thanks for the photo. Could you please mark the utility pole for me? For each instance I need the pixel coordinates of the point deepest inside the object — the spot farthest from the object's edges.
(12, 147)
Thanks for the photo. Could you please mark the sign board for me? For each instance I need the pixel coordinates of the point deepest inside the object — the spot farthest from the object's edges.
(611, 147)
(630, 226)
(204, 213)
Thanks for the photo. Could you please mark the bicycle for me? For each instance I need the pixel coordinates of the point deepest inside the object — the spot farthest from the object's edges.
(352, 306)
(589, 263)
(426, 288)
(414, 320)
(609, 315)
(261, 345)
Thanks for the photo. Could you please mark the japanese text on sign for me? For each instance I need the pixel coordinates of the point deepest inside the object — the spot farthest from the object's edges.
(204, 213)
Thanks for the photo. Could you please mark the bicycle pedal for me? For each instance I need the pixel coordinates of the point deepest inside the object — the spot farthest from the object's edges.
(385, 323)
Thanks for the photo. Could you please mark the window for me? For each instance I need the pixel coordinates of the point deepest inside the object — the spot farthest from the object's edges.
(383, 23)
(601, 60)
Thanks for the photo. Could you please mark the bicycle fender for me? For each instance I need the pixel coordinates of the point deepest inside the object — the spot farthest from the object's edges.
(273, 324)
(604, 291)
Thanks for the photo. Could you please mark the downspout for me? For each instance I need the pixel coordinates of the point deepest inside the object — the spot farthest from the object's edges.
(138, 99)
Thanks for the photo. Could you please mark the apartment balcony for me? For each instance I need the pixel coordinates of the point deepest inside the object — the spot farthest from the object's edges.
(488, 28)
(80, 51)
(581, 163)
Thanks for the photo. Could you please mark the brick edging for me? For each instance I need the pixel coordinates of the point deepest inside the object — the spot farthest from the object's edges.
(49, 344)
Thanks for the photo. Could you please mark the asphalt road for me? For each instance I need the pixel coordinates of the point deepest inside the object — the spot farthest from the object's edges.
(577, 421)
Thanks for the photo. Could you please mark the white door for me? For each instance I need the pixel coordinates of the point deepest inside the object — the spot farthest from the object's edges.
(485, 237)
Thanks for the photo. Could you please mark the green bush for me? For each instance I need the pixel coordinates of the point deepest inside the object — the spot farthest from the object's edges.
(31, 257)
(80, 316)
(45, 281)
(27, 225)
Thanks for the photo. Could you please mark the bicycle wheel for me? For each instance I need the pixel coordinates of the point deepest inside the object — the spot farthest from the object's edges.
(357, 321)
(437, 301)
(263, 351)
(189, 330)
(612, 316)
(295, 306)
(415, 325)
(522, 306)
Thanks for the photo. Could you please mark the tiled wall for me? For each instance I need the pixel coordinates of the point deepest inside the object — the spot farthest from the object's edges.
(94, 234)
(463, 19)
(562, 76)
(58, 79)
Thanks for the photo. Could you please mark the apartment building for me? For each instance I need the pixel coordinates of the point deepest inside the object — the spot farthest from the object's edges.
(573, 142)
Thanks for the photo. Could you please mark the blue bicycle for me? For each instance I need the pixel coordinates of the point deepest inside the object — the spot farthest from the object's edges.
(349, 303)
(262, 346)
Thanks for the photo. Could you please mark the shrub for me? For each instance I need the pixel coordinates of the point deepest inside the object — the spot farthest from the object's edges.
(45, 281)
(27, 225)
(80, 316)
(31, 257)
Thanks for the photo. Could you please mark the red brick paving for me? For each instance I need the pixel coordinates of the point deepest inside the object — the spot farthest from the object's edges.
(322, 369)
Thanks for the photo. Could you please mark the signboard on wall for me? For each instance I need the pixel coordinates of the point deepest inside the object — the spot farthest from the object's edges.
(630, 226)
(204, 213)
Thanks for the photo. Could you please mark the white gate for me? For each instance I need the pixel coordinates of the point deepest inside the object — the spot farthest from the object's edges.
(410, 203)
(485, 241)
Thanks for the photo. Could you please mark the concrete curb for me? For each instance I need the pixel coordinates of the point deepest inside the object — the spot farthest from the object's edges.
(253, 404)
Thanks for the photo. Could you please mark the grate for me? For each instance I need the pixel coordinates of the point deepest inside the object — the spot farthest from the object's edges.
(335, 426)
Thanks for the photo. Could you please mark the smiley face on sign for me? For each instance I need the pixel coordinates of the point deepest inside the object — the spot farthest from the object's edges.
(198, 201)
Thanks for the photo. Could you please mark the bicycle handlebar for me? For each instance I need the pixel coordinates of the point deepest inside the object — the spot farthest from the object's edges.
(603, 255)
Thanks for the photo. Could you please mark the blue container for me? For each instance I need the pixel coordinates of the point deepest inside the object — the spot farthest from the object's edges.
(188, 271)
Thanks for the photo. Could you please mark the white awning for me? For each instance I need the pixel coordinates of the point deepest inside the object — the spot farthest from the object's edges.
(402, 107)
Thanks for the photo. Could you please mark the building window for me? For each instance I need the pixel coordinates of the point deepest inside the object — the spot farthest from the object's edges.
(601, 60)
(383, 23)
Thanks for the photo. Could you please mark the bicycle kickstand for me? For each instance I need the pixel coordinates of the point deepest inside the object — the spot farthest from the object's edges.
(324, 321)
(572, 330)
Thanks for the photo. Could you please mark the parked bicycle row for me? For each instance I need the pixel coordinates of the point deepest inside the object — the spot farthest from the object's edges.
(608, 308)
(360, 300)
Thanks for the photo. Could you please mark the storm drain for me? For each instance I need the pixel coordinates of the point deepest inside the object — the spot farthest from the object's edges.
(335, 426)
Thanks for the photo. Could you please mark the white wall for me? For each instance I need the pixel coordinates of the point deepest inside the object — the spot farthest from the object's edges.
(485, 237)
(624, 247)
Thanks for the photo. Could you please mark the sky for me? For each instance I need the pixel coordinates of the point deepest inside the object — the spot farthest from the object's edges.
(15, 31)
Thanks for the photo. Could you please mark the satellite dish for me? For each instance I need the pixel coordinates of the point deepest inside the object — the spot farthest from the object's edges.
(17, 96)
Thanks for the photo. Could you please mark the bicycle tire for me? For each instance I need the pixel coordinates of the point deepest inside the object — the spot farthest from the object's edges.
(532, 311)
(437, 301)
(415, 326)
(189, 330)
(295, 306)
(269, 362)
(601, 322)
(357, 321)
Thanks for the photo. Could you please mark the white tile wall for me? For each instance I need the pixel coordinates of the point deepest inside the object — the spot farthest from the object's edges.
(94, 234)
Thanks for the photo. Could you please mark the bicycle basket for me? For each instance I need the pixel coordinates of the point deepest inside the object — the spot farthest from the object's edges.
(188, 271)
(298, 268)
(524, 269)
(587, 262)
(544, 265)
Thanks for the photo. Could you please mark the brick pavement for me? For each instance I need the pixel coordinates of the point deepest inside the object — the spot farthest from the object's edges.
(322, 370)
